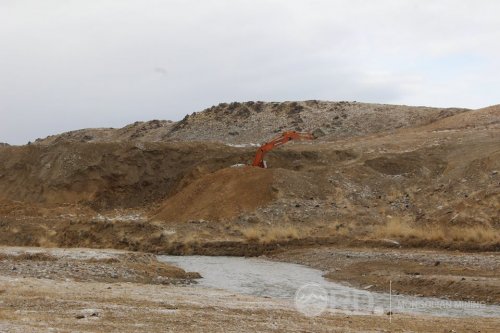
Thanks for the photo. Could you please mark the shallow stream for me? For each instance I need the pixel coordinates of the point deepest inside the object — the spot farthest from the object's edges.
(310, 292)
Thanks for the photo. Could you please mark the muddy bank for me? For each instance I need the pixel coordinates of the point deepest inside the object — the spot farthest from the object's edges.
(72, 226)
(450, 275)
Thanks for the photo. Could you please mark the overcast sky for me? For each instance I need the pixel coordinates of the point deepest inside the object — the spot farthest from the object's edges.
(70, 64)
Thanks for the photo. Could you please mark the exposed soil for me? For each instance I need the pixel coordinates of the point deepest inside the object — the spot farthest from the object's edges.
(431, 186)
(224, 194)
(106, 175)
(443, 174)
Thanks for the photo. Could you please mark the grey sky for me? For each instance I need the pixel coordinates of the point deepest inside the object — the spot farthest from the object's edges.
(70, 64)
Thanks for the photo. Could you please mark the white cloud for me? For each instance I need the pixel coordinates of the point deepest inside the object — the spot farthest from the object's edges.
(72, 64)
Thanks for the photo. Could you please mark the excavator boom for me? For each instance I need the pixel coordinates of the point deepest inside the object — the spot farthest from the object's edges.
(278, 141)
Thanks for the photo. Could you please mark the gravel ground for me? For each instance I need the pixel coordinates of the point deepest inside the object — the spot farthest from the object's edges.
(89, 265)
(48, 297)
(43, 305)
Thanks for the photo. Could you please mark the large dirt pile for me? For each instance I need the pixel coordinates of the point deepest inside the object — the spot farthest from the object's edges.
(106, 175)
(224, 194)
(255, 122)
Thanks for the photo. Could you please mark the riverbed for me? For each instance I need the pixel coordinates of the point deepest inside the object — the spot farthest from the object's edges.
(271, 279)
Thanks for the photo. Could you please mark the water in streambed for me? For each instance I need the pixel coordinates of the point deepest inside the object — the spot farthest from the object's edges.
(261, 277)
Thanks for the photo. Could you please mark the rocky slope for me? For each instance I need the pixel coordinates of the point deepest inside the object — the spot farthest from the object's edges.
(255, 122)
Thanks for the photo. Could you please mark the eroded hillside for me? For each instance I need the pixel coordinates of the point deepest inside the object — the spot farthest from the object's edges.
(386, 174)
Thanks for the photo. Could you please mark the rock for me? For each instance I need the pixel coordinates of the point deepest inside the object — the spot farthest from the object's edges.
(391, 241)
(87, 313)
(87, 138)
(318, 132)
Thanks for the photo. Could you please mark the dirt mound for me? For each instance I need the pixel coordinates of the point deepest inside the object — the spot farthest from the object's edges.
(105, 175)
(220, 195)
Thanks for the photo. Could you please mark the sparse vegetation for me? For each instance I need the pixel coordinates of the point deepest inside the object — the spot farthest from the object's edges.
(271, 234)
(401, 228)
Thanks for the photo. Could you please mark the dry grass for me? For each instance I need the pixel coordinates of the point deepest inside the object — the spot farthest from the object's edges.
(337, 228)
(252, 234)
(400, 228)
(271, 234)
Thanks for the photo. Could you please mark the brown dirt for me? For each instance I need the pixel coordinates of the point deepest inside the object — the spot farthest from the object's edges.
(426, 186)
(486, 117)
(105, 175)
(224, 194)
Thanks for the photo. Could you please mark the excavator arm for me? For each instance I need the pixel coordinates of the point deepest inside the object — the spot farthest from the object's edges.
(278, 141)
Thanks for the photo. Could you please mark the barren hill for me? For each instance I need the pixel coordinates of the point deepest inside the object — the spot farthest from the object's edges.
(254, 122)
(485, 118)
(420, 175)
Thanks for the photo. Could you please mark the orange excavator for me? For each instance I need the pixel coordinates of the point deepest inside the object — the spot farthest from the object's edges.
(258, 160)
